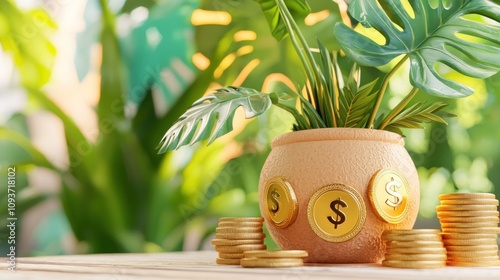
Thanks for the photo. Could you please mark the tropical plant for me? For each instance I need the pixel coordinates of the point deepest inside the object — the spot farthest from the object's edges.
(460, 35)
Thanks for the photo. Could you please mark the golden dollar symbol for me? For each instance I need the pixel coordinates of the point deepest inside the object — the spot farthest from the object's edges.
(392, 191)
(274, 197)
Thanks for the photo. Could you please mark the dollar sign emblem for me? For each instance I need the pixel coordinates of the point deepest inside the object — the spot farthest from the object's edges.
(340, 215)
(274, 197)
(390, 188)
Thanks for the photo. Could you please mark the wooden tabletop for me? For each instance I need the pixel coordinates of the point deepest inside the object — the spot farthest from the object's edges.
(201, 265)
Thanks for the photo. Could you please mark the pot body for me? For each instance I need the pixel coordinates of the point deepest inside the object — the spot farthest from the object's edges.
(309, 161)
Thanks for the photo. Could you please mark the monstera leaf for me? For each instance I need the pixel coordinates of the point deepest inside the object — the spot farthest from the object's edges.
(298, 8)
(437, 33)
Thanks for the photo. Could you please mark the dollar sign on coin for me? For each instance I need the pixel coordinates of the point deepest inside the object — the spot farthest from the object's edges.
(392, 191)
(340, 214)
(274, 197)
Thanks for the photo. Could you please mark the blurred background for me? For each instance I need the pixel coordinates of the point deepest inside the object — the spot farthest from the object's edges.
(87, 89)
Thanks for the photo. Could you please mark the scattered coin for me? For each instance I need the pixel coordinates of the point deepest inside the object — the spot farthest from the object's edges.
(413, 264)
(238, 236)
(238, 230)
(276, 254)
(228, 261)
(466, 208)
(240, 248)
(463, 196)
(258, 262)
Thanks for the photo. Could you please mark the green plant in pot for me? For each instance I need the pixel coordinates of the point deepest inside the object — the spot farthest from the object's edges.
(342, 177)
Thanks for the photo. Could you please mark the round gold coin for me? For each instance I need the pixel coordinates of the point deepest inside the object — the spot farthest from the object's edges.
(389, 193)
(276, 254)
(472, 248)
(468, 236)
(488, 263)
(469, 242)
(473, 259)
(238, 230)
(256, 262)
(412, 237)
(466, 208)
(468, 225)
(231, 255)
(486, 230)
(413, 244)
(336, 213)
(467, 214)
(239, 249)
(465, 196)
(469, 220)
(241, 219)
(416, 257)
(414, 264)
(228, 261)
(411, 231)
(416, 250)
(281, 203)
(229, 242)
(478, 201)
(241, 224)
(469, 254)
(245, 236)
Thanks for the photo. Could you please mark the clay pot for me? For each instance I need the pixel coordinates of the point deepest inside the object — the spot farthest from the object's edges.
(310, 160)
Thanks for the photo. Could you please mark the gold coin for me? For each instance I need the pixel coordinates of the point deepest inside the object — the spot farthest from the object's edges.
(228, 261)
(239, 249)
(466, 196)
(276, 254)
(469, 225)
(411, 231)
(238, 230)
(231, 255)
(336, 213)
(411, 237)
(240, 224)
(416, 257)
(245, 236)
(468, 236)
(487, 263)
(484, 247)
(241, 219)
(473, 259)
(467, 214)
(256, 262)
(486, 230)
(469, 220)
(389, 193)
(416, 250)
(229, 242)
(478, 201)
(281, 203)
(466, 208)
(470, 254)
(413, 244)
(413, 264)
(469, 242)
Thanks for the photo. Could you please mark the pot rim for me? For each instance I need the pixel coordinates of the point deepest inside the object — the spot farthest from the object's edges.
(338, 133)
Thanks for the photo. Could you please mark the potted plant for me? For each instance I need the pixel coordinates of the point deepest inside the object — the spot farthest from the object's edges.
(342, 177)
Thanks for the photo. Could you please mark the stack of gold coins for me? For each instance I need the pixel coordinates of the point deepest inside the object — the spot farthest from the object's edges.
(263, 258)
(470, 227)
(233, 236)
(417, 248)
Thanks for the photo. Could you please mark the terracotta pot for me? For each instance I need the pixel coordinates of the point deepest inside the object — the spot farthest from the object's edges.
(307, 170)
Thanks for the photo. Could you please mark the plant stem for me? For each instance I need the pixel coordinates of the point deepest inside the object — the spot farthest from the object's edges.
(382, 90)
(402, 104)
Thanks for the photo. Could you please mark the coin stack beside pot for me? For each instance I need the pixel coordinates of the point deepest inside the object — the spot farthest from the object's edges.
(470, 228)
(263, 258)
(234, 236)
(416, 248)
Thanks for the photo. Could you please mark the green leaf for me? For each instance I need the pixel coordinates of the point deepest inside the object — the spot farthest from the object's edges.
(433, 36)
(298, 8)
(355, 106)
(415, 115)
(211, 116)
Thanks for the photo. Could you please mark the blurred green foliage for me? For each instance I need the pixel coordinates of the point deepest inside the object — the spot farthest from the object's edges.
(118, 195)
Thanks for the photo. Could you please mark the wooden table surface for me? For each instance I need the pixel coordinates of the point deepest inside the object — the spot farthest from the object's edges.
(201, 265)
